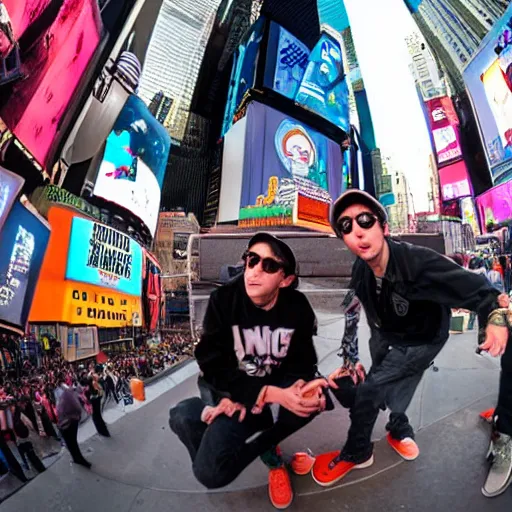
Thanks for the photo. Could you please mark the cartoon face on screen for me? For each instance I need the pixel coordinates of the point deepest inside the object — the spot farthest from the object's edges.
(295, 149)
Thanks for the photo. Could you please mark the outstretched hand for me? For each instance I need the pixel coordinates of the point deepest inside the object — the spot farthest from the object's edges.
(496, 338)
(227, 407)
(356, 371)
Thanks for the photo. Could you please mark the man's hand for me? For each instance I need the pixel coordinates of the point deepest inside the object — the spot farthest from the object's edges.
(292, 398)
(227, 407)
(356, 371)
(503, 300)
(496, 337)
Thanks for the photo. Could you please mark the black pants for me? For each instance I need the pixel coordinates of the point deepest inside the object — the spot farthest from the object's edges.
(70, 435)
(222, 450)
(97, 418)
(504, 408)
(12, 461)
(391, 382)
(27, 451)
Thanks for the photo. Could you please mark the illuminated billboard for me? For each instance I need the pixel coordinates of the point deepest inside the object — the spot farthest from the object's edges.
(51, 45)
(10, 186)
(454, 181)
(444, 125)
(103, 256)
(495, 205)
(489, 81)
(23, 242)
(134, 163)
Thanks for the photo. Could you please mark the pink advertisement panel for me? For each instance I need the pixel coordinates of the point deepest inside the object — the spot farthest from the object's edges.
(495, 205)
(454, 181)
(48, 45)
(444, 125)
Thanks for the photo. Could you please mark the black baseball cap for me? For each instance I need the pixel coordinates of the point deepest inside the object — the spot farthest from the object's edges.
(280, 249)
(355, 196)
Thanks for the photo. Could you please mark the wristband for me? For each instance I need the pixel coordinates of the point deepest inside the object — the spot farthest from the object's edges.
(498, 317)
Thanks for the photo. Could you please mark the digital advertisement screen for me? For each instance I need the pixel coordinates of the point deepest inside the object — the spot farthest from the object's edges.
(495, 205)
(324, 88)
(101, 255)
(23, 242)
(285, 161)
(287, 59)
(454, 181)
(469, 215)
(243, 74)
(134, 163)
(10, 186)
(48, 46)
(444, 126)
(488, 78)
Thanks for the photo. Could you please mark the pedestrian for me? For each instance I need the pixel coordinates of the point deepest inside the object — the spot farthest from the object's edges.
(407, 292)
(256, 354)
(94, 394)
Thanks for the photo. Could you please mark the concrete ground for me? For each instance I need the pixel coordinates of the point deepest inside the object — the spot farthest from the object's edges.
(143, 467)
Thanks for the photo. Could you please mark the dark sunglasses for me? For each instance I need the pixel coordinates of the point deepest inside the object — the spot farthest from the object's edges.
(269, 265)
(364, 220)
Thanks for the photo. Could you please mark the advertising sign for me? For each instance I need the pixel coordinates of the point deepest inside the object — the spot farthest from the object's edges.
(50, 44)
(489, 81)
(469, 215)
(454, 181)
(23, 242)
(324, 88)
(285, 160)
(495, 205)
(134, 164)
(101, 255)
(10, 186)
(444, 125)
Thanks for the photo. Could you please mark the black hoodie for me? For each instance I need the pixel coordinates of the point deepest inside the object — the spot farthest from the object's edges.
(244, 348)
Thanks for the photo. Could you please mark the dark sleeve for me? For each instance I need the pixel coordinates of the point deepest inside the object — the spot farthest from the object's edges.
(216, 357)
(439, 279)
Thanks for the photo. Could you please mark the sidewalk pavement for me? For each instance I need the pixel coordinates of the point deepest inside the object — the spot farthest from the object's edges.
(143, 466)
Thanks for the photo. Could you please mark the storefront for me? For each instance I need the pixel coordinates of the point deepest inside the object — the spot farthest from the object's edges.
(91, 278)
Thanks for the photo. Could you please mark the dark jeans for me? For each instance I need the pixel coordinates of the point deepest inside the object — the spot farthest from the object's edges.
(391, 382)
(504, 408)
(70, 434)
(26, 450)
(222, 450)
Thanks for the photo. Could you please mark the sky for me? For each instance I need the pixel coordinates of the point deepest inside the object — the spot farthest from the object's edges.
(379, 29)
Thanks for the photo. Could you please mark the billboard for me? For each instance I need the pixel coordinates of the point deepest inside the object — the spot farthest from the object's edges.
(488, 78)
(495, 205)
(290, 171)
(49, 44)
(454, 181)
(23, 242)
(134, 163)
(102, 256)
(10, 186)
(444, 126)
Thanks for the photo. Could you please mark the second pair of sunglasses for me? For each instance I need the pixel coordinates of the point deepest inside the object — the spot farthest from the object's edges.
(269, 265)
(364, 220)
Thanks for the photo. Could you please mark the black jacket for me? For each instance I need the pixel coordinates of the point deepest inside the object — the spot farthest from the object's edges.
(418, 290)
(244, 348)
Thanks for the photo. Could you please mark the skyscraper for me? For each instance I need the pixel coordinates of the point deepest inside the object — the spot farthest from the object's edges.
(175, 54)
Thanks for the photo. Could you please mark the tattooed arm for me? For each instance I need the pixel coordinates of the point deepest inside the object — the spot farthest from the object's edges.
(349, 349)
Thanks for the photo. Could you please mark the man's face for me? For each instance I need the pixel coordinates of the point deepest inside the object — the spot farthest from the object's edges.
(260, 285)
(365, 243)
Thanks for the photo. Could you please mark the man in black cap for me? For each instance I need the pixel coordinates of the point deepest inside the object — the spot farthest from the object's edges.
(256, 350)
(407, 293)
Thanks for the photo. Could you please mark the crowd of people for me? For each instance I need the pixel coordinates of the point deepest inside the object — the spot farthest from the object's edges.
(41, 406)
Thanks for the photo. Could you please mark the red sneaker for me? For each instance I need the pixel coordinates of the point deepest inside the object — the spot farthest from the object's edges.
(406, 448)
(280, 489)
(488, 415)
(326, 474)
(302, 463)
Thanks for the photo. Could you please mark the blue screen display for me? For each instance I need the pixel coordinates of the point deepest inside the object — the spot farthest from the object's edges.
(324, 88)
(23, 243)
(10, 186)
(102, 256)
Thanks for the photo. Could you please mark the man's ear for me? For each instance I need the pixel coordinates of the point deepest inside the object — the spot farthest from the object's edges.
(287, 281)
(386, 229)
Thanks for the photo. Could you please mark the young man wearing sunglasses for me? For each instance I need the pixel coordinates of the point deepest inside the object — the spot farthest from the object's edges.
(407, 292)
(256, 351)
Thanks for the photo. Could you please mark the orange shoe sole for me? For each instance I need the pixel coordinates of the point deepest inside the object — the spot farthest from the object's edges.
(404, 456)
(363, 465)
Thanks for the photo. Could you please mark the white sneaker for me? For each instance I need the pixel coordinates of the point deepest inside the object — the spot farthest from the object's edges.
(500, 473)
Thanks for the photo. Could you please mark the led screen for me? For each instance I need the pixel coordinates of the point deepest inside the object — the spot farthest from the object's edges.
(495, 205)
(134, 163)
(287, 166)
(324, 88)
(48, 46)
(489, 80)
(454, 181)
(23, 242)
(101, 255)
(10, 186)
